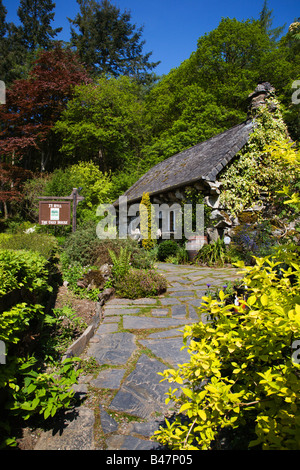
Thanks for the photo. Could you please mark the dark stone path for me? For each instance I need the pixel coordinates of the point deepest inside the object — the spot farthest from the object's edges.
(132, 353)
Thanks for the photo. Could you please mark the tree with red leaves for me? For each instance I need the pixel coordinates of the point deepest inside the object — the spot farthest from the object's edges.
(33, 106)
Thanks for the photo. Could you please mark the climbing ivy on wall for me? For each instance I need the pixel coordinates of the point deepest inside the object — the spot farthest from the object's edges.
(254, 170)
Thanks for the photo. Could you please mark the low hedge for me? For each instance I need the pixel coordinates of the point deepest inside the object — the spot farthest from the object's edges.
(140, 283)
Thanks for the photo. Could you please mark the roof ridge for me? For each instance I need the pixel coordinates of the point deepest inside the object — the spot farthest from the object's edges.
(203, 161)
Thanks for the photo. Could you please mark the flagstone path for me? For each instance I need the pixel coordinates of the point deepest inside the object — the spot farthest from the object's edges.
(135, 341)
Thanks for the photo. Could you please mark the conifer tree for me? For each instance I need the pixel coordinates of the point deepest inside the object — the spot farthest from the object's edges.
(266, 22)
(36, 17)
(107, 41)
(10, 53)
(3, 24)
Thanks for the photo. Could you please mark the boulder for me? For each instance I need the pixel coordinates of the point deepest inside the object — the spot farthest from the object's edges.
(106, 294)
(213, 235)
(105, 270)
(221, 219)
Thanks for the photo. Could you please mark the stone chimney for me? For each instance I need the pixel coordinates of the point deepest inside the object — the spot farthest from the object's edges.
(258, 98)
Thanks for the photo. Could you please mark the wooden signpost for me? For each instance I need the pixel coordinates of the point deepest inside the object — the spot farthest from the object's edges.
(57, 210)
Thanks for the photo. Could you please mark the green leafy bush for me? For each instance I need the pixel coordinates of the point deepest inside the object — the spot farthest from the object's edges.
(43, 393)
(140, 283)
(121, 264)
(22, 269)
(142, 259)
(79, 246)
(45, 245)
(166, 249)
(26, 386)
(84, 247)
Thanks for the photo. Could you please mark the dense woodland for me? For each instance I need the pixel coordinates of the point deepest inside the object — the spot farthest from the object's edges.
(94, 106)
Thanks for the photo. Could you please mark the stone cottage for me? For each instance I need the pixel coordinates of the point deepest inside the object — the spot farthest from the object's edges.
(198, 167)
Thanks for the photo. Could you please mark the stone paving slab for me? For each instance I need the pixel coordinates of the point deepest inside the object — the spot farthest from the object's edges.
(115, 348)
(122, 442)
(112, 319)
(166, 333)
(146, 429)
(132, 323)
(168, 349)
(180, 293)
(193, 313)
(120, 311)
(108, 424)
(77, 432)
(104, 329)
(169, 301)
(109, 378)
(159, 312)
(142, 393)
(179, 311)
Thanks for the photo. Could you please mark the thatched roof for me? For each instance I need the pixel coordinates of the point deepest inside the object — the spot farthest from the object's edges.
(204, 161)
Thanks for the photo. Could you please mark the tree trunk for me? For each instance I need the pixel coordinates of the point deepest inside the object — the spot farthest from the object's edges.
(5, 210)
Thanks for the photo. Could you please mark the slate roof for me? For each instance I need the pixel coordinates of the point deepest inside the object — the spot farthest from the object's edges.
(204, 161)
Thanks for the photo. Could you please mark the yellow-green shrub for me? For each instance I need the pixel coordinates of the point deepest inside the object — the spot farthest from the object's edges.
(243, 372)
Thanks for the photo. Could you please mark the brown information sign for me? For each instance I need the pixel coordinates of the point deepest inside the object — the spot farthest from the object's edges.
(55, 213)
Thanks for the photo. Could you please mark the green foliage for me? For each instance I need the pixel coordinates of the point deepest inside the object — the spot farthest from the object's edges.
(181, 256)
(286, 153)
(86, 175)
(64, 326)
(36, 17)
(85, 248)
(167, 248)
(26, 389)
(71, 271)
(45, 245)
(43, 393)
(255, 170)
(207, 93)
(22, 269)
(33, 188)
(213, 254)
(140, 283)
(16, 320)
(121, 264)
(79, 246)
(103, 122)
(108, 43)
(141, 258)
(242, 380)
